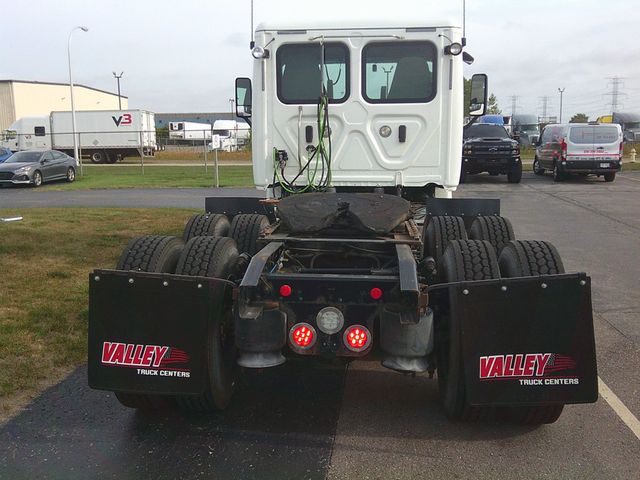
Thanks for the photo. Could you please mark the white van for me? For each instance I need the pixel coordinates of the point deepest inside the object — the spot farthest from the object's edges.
(583, 148)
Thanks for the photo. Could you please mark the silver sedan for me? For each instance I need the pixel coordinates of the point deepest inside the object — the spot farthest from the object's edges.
(37, 166)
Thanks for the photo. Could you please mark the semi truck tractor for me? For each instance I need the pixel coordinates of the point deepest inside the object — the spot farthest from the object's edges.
(353, 247)
(103, 136)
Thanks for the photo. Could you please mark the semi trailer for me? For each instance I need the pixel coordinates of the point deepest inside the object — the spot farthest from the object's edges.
(354, 248)
(103, 136)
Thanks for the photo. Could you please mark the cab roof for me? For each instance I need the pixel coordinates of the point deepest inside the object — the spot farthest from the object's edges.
(355, 25)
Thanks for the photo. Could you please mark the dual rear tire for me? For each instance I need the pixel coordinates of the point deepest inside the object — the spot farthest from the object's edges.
(475, 259)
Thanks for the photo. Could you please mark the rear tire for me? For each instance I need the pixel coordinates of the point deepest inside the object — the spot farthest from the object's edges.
(558, 176)
(152, 253)
(215, 258)
(206, 225)
(462, 260)
(529, 258)
(496, 230)
(514, 175)
(609, 176)
(437, 234)
(245, 230)
(98, 157)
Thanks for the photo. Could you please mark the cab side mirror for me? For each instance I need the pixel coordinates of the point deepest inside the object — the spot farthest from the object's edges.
(478, 102)
(243, 97)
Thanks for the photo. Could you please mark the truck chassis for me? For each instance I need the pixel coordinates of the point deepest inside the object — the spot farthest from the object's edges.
(253, 283)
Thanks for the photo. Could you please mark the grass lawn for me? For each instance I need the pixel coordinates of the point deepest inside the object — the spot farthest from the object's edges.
(130, 176)
(45, 262)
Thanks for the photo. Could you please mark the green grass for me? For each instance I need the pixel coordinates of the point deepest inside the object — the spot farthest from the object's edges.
(45, 262)
(125, 176)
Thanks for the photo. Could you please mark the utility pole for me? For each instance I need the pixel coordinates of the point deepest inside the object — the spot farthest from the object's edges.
(118, 77)
(561, 90)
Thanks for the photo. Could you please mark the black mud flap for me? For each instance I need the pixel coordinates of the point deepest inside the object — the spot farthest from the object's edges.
(148, 331)
(526, 341)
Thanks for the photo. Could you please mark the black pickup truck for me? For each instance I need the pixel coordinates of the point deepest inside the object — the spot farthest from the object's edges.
(489, 148)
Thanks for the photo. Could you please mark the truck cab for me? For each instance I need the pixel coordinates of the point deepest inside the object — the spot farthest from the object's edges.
(356, 107)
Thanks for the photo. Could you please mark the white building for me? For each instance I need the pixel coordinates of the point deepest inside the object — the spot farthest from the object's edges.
(19, 98)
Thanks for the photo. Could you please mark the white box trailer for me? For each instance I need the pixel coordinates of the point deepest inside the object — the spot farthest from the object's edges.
(104, 136)
(189, 131)
(233, 134)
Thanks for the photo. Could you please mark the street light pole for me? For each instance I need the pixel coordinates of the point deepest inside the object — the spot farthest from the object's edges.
(561, 90)
(73, 107)
(118, 77)
(231, 103)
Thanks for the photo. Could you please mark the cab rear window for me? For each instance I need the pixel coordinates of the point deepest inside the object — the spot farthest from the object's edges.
(299, 72)
(593, 134)
(399, 72)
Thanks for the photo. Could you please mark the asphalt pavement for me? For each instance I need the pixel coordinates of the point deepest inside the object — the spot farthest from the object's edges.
(366, 422)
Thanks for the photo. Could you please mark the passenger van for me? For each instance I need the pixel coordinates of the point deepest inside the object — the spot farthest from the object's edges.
(582, 148)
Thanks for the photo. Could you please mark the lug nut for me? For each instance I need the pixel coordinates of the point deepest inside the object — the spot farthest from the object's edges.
(465, 292)
(544, 285)
(131, 280)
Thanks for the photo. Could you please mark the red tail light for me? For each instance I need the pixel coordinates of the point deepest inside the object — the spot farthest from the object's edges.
(375, 293)
(563, 147)
(302, 336)
(357, 338)
(285, 290)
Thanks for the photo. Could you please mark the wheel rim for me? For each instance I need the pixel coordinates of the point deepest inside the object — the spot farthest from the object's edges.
(37, 179)
(71, 175)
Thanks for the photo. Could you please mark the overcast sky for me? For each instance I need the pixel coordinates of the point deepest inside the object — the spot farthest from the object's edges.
(183, 55)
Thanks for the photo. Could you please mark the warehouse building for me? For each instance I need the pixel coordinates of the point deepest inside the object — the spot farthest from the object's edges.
(19, 98)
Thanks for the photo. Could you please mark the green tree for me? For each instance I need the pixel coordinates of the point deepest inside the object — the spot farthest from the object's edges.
(492, 106)
(579, 118)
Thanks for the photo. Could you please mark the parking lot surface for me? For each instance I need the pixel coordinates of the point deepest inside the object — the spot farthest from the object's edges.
(365, 421)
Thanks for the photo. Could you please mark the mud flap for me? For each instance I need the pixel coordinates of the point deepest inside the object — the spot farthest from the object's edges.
(147, 332)
(526, 341)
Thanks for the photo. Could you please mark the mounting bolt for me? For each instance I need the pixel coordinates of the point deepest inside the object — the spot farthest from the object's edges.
(199, 285)
(96, 278)
(544, 285)
(465, 292)
(131, 280)
(503, 288)
(583, 282)
(165, 283)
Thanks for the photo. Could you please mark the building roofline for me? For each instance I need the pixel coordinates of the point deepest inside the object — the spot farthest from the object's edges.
(9, 80)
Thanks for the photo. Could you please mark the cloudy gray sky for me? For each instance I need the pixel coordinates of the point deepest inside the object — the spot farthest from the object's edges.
(183, 55)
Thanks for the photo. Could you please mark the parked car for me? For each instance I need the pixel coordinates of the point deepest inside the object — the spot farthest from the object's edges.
(37, 166)
(4, 154)
(489, 148)
(579, 148)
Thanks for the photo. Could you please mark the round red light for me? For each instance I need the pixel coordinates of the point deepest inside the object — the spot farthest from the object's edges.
(303, 335)
(376, 293)
(285, 290)
(357, 338)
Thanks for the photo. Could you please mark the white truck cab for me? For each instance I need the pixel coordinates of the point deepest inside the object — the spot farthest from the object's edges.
(386, 100)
